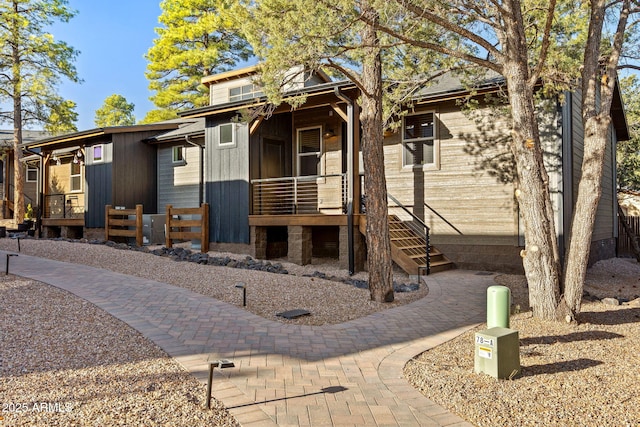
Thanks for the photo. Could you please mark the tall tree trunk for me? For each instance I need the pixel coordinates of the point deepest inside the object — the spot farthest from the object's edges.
(378, 243)
(584, 215)
(18, 167)
(598, 83)
(541, 258)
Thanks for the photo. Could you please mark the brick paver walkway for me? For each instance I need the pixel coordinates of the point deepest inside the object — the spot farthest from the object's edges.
(342, 375)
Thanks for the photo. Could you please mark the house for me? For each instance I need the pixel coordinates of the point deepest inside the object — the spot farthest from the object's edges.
(6, 172)
(84, 171)
(288, 183)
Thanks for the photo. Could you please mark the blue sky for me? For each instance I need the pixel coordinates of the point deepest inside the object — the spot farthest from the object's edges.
(112, 37)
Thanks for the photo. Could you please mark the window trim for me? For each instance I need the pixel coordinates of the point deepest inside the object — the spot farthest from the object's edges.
(28, 169)
(317, 153)
(435, 165)
(182, 159)
(72, 175)
(255, 92)
(233, 136)
(93, 153)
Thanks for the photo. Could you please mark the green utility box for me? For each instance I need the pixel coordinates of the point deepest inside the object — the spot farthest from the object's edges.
(497, 353)
(498, 306)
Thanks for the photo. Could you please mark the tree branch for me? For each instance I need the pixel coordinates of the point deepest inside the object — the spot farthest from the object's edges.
(546, 42)
(457, 29)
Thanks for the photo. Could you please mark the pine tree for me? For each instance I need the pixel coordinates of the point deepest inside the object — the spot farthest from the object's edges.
(33, 64)
(62, 119)
(115, 111)
(197, 38)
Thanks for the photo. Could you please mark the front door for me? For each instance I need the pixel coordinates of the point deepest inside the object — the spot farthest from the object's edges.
(273, 159)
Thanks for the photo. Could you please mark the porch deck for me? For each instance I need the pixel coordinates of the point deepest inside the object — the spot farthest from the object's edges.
(63, 222)
(301, 220)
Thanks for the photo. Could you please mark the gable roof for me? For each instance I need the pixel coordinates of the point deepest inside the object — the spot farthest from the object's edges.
(191, 128)
(248, 72)
(97, 132)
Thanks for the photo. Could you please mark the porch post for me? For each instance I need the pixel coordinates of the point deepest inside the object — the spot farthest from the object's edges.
(353, 136)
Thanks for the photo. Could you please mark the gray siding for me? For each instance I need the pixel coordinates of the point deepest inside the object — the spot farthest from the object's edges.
(98, 189)
(227, 185)
(178, 183)
(604, 227)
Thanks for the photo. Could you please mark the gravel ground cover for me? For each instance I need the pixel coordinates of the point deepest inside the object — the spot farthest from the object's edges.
(64, 362)
(267, 293)
(572, 375)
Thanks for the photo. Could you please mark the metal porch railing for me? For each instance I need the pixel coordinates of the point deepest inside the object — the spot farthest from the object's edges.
(62, 206)
(299, 194)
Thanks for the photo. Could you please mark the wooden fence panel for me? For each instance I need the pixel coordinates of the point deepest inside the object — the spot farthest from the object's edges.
(624, 240)
(118, 224)
(176, 227)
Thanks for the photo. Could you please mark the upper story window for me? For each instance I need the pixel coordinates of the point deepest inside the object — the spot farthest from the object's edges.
(98, 153)
(178, 154)
(241, 93)
(418, 140)
(227, 135)
(32, 173)
(76, 177)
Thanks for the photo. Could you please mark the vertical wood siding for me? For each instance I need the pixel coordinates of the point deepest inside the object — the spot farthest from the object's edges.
(99, 177)
(134, 171)
(604, 227)
(227, 185)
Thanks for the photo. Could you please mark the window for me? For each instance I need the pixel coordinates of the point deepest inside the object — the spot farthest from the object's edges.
(177, 155)
(98, 153)
(226, 135)
(418, 140)
(309, 151)
(241, 93)
(32, 173)
(76, 177)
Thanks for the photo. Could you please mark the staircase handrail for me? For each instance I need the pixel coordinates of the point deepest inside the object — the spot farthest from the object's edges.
(423, 233)
(443, 218)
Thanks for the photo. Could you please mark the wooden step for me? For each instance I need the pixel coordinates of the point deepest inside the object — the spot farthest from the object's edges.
(408, 249)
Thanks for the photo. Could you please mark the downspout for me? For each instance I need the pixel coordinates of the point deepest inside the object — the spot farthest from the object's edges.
(200, 170)
(350, 177)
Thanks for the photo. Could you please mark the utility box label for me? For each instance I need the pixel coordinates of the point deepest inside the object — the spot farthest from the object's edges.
(484, 340)
(484, 352)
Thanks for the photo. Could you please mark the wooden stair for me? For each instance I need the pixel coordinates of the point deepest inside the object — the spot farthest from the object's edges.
(408, 249)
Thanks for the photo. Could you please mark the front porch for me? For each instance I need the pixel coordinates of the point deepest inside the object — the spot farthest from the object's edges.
(63, 216)
(300, 218)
